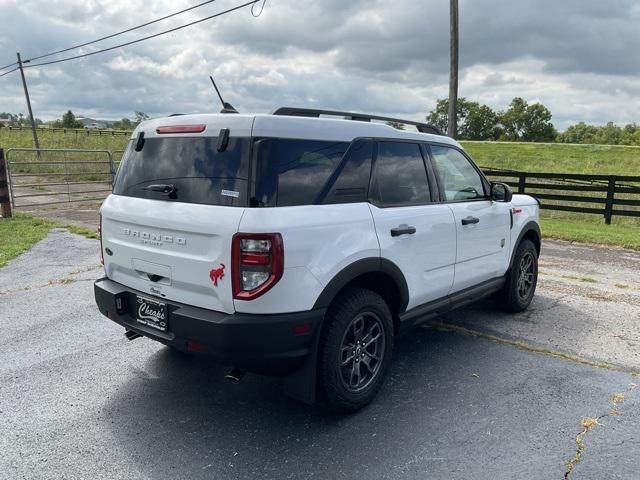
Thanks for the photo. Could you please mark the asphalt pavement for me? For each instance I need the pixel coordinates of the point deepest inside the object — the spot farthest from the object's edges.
(478, 394)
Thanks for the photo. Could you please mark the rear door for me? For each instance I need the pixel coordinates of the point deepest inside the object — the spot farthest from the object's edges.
(483, 226)
(178, 200)
(415, 233)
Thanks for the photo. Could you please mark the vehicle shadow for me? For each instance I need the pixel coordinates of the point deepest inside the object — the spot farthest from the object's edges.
(442, 395)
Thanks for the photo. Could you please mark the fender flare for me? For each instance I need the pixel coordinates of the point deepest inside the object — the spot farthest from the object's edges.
(530, 226)
(361, 267)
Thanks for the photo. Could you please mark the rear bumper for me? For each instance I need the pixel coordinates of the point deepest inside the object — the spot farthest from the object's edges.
(257, 343)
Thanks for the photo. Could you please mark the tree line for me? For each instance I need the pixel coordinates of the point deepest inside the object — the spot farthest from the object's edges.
(525, 122)
(69, 120)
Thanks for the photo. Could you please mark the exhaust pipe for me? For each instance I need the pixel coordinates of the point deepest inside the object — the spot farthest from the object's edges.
(131, 335)
(234, 376)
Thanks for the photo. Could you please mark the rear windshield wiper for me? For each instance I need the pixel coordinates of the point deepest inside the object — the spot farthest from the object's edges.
(164, 188)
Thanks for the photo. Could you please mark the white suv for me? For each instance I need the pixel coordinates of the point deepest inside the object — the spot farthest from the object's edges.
(299, 245)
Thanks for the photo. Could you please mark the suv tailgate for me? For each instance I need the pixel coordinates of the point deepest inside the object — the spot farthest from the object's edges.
(169, 249)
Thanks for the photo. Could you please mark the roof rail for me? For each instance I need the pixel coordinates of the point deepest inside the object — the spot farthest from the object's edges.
(360, 117)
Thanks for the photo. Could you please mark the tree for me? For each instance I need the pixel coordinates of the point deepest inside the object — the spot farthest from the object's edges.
(475, 121)
(513, 119)
(439, 117)
(610, 134)
(481, 123)
(124, 124)
(397, 125)
(140, 117)
(630, 134)
(579, 133)
(68, 121)
(527, 123)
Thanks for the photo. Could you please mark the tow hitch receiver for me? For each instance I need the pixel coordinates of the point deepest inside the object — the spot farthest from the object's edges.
(131, 335)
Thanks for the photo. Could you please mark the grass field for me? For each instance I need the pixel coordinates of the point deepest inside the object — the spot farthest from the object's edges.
(23, 139)
(556, 157)
(567, 226)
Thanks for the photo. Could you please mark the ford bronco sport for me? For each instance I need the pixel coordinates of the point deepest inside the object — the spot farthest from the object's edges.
(299, 245)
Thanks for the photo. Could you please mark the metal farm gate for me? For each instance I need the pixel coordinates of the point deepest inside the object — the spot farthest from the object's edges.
(40, 177)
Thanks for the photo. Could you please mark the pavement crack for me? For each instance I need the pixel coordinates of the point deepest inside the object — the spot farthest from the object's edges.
(590, 423)
(447, 327)
(57, 281)
(599, 293)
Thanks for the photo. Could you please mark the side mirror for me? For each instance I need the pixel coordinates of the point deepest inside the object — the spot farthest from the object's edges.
(501, 192)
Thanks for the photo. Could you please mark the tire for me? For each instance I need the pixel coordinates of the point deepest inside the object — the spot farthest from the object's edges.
(351, 365)
(520, 287)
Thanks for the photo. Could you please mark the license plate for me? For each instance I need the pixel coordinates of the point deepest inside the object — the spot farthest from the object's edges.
(152, 313)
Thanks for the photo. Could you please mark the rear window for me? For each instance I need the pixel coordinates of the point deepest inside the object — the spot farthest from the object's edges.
(294, 172)
(192, 166)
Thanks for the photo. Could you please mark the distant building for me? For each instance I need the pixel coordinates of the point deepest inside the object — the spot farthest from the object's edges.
(95, 123)
(91, 122)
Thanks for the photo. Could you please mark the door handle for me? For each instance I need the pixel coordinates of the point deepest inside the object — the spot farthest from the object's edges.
(470, 221)
(402, 230)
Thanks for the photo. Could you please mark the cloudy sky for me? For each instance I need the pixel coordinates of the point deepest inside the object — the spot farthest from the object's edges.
(581, 58)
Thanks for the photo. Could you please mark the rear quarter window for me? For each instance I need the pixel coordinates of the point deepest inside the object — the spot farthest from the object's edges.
(350, 180)
(294, 172)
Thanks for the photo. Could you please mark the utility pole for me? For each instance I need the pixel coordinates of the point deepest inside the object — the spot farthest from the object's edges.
(26, 95)
(452, 129)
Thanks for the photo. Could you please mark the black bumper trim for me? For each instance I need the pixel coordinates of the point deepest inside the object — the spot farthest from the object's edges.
(256, 343)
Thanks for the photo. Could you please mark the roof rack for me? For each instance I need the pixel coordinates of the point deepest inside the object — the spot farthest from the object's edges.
(360, 117)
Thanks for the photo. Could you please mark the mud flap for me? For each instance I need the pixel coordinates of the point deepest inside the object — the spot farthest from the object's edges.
(302, 384)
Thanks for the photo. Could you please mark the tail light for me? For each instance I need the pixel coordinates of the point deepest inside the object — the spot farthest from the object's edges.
(100, 235)
(257, 263)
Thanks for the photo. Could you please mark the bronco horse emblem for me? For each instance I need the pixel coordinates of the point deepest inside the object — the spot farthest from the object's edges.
(216, 274)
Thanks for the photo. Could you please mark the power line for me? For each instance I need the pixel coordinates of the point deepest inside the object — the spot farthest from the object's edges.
(258, 13)
(122, 32)
(137, 27)
(10, 65)
(252, 2)
(10, 71)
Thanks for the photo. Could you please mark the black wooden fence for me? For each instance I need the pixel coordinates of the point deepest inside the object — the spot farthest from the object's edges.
(606, 195)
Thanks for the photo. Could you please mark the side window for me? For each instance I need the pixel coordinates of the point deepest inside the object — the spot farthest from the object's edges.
(400, 177)
(460, 180)
(350, 181)
(293, 172)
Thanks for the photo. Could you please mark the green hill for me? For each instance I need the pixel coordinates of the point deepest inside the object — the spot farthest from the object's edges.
(556, 157)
